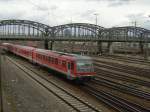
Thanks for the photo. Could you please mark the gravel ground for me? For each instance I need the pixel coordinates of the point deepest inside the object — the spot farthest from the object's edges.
(21, 94)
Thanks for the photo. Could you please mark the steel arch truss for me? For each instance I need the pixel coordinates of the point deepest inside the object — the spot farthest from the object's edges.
(128, 33)
(74, 31)
(77, 30)
(24, 27)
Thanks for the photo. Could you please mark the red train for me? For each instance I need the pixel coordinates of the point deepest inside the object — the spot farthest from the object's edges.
(74, 67)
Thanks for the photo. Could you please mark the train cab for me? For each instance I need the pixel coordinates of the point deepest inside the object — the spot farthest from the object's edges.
(84, 67)
(76, 67)
(80, 67)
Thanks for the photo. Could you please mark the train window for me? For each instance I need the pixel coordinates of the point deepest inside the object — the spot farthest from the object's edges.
(84, 66)
(46, 58)
(49, 59)
(59, 62)
(53, 60)
(40, 56)
(43, 57)
(56, 61)
(64, 63)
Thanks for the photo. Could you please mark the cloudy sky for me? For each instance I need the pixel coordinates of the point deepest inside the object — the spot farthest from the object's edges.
(111, 13)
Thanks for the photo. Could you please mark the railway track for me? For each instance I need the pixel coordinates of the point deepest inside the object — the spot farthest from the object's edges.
(120, 104)
(125, 70)
(134, 70)
(127, 59)
(121, 87)
(74, 102)
(132, 59)
(121, 77)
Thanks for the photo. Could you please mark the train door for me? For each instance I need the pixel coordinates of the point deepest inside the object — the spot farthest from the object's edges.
(69, 70)
(33, 55)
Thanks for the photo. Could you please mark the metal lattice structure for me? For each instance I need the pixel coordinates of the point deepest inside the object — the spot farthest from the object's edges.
(30, 30)
(23, 28)
(126, 34)
(77, 30)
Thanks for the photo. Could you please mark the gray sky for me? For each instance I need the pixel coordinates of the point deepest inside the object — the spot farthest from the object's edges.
(111, 13)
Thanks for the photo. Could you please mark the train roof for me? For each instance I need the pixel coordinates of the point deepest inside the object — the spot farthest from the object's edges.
(25, 47)
(62, 54)
(54, 53)
(21, 46)
(78, 57)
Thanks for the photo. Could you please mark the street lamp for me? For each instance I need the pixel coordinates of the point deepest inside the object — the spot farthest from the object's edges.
(147, 45)
(96, 14)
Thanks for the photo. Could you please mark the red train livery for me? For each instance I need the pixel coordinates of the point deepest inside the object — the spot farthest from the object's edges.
(71, 65)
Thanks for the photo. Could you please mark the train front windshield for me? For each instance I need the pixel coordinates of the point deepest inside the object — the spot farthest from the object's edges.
(85, 66)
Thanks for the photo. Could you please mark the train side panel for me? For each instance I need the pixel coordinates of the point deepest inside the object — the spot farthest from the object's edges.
(25, 52)
(55, 62)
